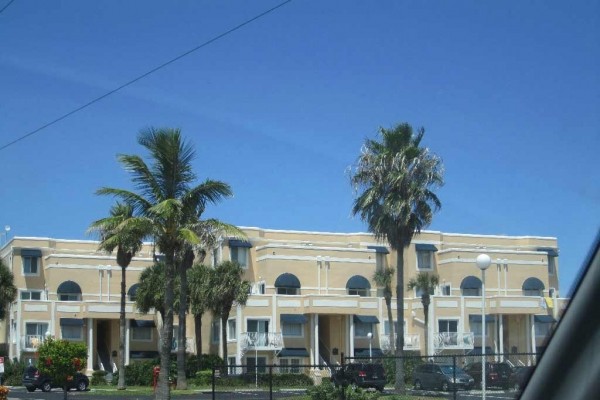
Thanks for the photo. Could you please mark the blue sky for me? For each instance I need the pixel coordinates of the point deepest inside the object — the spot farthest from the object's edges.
(508, 92)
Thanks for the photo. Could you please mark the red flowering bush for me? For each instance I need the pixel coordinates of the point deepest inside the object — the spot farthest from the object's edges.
(61, 360)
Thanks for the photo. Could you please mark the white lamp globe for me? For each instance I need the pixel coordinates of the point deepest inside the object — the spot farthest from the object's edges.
(483, 261)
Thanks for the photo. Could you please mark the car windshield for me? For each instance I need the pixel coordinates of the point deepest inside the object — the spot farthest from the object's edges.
(449, 370)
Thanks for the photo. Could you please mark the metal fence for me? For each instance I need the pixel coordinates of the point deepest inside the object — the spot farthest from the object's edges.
(277, 381)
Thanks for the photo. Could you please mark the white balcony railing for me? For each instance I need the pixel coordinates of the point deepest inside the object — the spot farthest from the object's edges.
(453, 340)
(33, 341)
(261, 341)
(411, 342)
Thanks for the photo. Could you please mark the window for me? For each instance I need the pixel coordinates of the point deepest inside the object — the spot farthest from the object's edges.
(543, 329)
(448, 325)
(362, 329)
(287, 284)
(258, 331)
(216, 256)
(359, 292)
(445, 290)
(69, 332)
(141, 333)
(240, 255)
(69, 291)
(424, 260)
(30, 265)
(31, 295)
(69, 297)
(215, 332)
(471, 286)
(291, 329)
(475, 324)
(551, 265)
(289, 365)
(358, 286)
(386, 327)
(231, 330)
(533, 287)
(231, 362)
(418, 292)
(35, 333)
(379, 261)
(287, 290)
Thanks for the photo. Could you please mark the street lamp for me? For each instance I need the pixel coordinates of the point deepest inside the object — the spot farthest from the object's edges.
(370, 336)
(483, 261)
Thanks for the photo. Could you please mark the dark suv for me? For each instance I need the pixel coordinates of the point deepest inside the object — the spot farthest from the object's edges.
(33, 379)
(363, 375)
(497, 374)
(442, 377)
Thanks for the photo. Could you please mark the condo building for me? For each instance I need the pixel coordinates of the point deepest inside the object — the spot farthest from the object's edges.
(313, 297)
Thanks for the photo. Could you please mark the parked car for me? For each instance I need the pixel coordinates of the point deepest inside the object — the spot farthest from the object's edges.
(441, 376)
(363, 375)
(33, 379)
(519, 377)
(497, 374)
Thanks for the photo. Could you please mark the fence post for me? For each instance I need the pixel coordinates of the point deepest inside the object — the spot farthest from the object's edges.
(454, 388)
(213, 382)
(270, 382)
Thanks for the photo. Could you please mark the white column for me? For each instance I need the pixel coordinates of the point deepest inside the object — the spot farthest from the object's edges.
(431, 319)
(127, 339)
(496, 336)
(533, 347)
(239, 327)
(316, 337)
(528, 337)
(19, 325)
(312, 342)
(351, 341)
(108, 277)
(501, 334)
(90, 337)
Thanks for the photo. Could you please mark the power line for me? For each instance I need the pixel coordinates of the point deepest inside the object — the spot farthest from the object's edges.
(131, 82)
(6, 6)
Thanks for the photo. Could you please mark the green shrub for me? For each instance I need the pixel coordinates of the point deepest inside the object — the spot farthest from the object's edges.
(13, 372)
(291, 380)
(203, 378)
(410, 363)
(205, 361)
(99, 378)
(138, 373)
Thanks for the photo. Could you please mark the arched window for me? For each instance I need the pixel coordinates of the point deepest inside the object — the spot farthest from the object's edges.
(69, 291)
(358, 285)
(471, 286)
(533, 287)
(133, 291)
(287, 284)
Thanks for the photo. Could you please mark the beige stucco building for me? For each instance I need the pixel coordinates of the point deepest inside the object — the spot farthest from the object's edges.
(313, 297)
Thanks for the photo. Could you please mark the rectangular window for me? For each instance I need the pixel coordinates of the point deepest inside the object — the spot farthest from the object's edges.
(69, 332)
(362, 329)
(471, 292)
(543, 329)
(30, 265)
(424, 260)
(142, 334)
(289, 365)
(551, 265)
(31, 295)
(69, 297)
(215, 331)
(258, 331)
(287, 290)
(476, 328)
(231, 330)
(379, 261)
(35, 332)
(445, 290)
(231, 362)
(240, 255)
(386, 327)
(291, 329)
(448, 325)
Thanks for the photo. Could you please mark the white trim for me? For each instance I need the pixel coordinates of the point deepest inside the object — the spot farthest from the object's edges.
(314, 259)
(335, 303)
(486, 250)
(472, 261)
(289, 303)
(35, 307)
(304, 247)
(93, 257)
(257, 303)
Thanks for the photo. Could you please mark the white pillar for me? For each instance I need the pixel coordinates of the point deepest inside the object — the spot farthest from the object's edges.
(312, 342)
(316, 337)
(351, 341)
(127, 339)
(238, 326)
(533, 346)
(90, 337)
(431, 319)
(501, 335)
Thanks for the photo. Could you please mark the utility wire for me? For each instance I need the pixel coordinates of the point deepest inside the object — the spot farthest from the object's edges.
(140, 77)
(6, 6)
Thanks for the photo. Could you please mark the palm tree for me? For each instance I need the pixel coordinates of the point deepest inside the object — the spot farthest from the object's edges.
(383, 278)
(8, 290)
(228, 288)
(116, 233)
(425, 283)
(199, 279)
(208, 232)
(148, 296)
(166, 199)
(393, 180)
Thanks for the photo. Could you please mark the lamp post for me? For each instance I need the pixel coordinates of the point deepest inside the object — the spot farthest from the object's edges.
(370, 336)
(483, 261)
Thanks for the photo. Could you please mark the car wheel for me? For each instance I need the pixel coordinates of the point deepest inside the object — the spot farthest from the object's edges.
(46, 386)
(418, 385)
(444, 386)
(81, 386)
(31, 388)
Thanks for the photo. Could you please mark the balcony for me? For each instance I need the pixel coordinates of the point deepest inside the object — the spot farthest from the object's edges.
(411, 342)
(31, 342)
(261, 341)
(453, 341)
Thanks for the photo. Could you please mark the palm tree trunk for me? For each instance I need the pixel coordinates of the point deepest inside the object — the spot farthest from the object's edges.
(163, 391)
(198, 334)
(224, 341)
(425, 299)
(122, 333)
(186, 263)
(399, 384)
(388, 305)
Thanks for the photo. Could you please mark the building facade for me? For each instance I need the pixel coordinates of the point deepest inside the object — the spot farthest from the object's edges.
(313, 297)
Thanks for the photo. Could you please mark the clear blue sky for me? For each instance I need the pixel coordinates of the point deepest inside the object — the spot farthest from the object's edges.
(508, 92)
